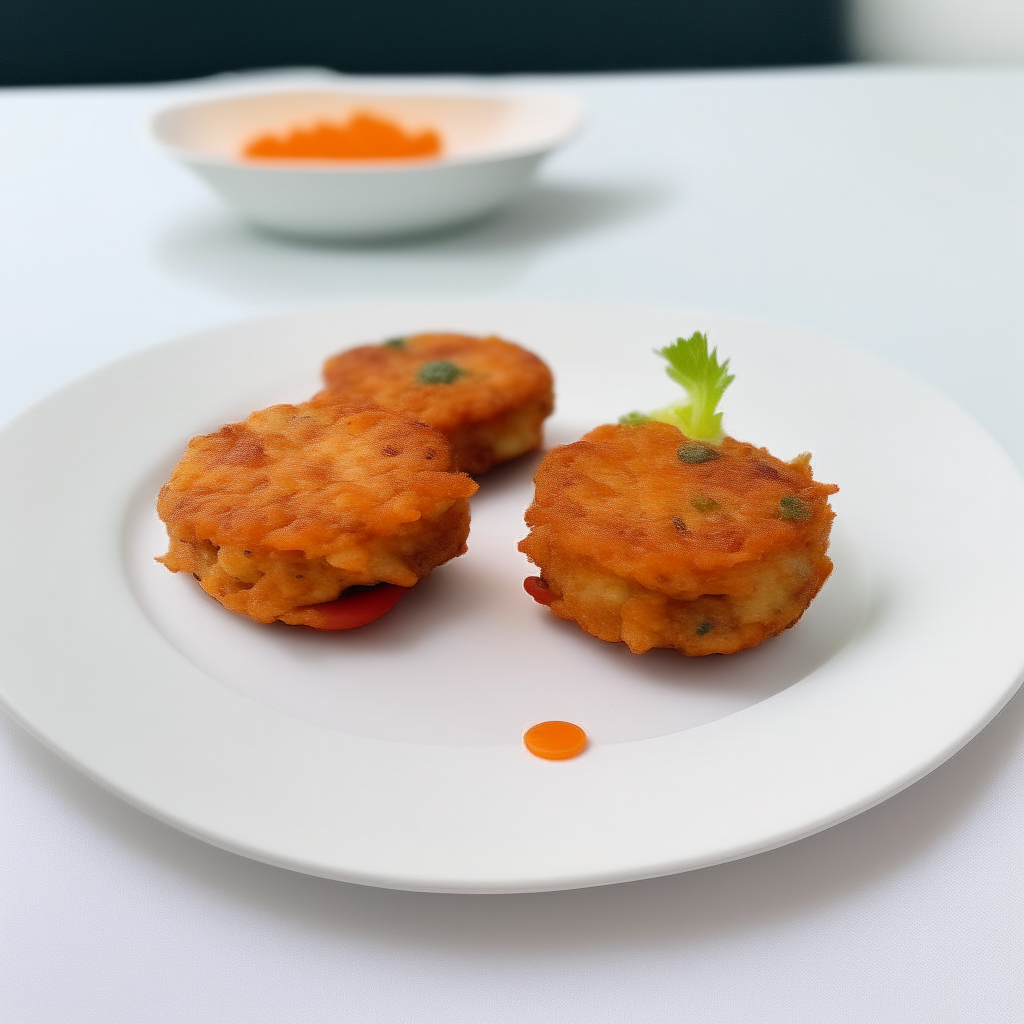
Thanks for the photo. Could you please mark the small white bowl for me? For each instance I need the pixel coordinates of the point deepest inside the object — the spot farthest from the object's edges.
(492, 143)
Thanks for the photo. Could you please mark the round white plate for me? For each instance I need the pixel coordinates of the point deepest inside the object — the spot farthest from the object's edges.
(392, 755)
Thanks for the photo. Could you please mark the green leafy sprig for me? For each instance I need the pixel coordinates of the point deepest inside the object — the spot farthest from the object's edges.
(691, 365)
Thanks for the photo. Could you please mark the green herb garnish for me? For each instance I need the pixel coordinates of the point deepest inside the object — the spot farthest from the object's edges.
(704, 628)
(705, 380)
(394, 343)
(441, 372)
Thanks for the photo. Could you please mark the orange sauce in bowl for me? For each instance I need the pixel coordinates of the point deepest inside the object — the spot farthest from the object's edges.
(364, 136)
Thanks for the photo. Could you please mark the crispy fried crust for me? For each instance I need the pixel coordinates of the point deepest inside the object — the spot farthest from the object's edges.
(299, 502)
(644, 538)
(492, 412)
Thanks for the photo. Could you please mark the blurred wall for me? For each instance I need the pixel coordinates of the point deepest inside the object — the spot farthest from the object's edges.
(81, 41)
(938, 31)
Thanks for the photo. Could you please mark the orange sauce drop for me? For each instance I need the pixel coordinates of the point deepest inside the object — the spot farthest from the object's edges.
(555, 741)
(364, 136)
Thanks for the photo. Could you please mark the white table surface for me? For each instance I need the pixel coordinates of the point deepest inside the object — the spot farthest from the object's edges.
(882, 206)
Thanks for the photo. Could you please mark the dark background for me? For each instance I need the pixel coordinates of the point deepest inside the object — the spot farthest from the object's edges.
(48, 42)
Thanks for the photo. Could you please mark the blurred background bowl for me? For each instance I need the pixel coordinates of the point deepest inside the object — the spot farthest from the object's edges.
(492, 144)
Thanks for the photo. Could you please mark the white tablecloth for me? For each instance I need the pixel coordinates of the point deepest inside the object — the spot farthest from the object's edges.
(884, 207)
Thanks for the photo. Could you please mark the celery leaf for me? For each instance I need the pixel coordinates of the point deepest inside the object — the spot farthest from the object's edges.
(705, 380)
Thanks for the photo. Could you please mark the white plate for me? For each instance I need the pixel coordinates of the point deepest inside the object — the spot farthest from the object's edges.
(493, 142)
(392, 755)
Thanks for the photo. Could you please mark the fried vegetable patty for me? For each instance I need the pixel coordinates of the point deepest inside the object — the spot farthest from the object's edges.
(489, 397)
(299, 502)
(647, 537)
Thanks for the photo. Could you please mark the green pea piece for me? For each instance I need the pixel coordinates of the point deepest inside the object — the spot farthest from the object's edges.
(702, 504)
(793, 509)
(694, 454)
(634, 419)
(441, 372)
(395, 343)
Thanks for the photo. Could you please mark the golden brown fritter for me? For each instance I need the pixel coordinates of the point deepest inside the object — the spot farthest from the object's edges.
(487, 396)
(298, 502)
(645, 536)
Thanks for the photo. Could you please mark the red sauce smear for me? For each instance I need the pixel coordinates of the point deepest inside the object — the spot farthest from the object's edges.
(364, 136)
(358, 609)
(555, 741)
(538, 590)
